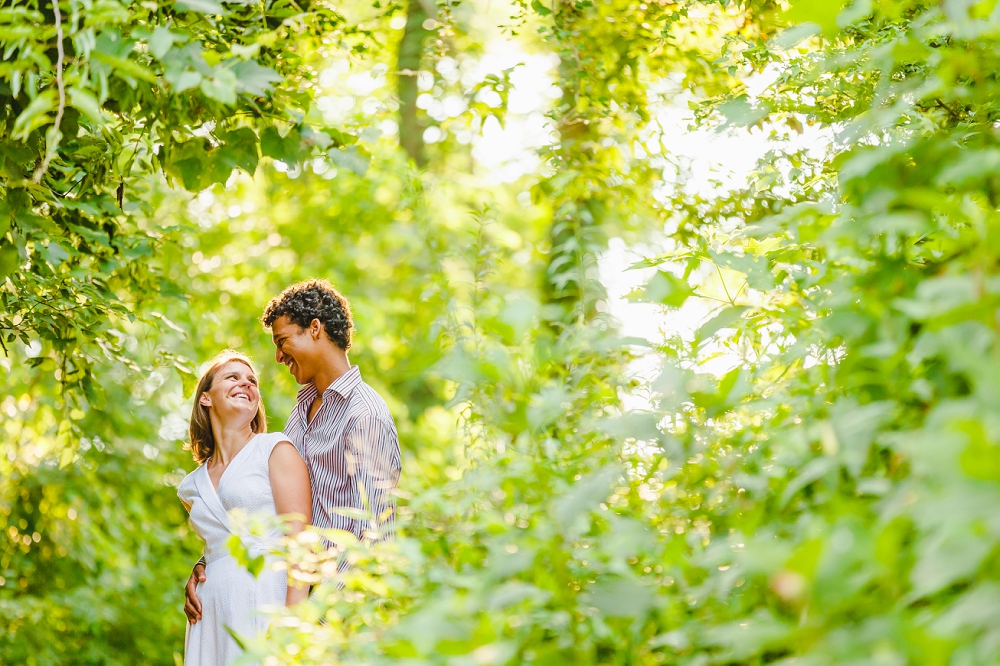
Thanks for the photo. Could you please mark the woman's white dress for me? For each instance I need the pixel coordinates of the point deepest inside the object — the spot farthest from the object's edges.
(230, 596)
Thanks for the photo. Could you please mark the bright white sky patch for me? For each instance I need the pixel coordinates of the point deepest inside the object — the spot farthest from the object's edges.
(510, 151)
(708, 161)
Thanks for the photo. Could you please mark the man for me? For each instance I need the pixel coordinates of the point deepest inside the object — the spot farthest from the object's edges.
(341, 426)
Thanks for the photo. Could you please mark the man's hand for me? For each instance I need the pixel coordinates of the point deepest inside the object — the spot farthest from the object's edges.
(192, 604)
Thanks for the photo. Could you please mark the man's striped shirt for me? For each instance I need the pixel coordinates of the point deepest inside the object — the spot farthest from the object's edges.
(352, 452)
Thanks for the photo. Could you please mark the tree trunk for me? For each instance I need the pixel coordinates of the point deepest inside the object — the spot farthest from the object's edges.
(411, 50)
(578, 209)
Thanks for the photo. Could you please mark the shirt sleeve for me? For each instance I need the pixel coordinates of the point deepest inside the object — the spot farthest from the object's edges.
(373, 463)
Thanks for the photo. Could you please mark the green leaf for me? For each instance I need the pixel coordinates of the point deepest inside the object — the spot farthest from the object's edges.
(181, 80)
(246, 52)
(189, 378)
(548, 405)
(125, 66)
(540, 8)
(668, 289)
(200, 6)
(855, 427)
(316, 138)
(822, 13)
(5, 220)
(161, 40)
(253, 79)
(271, 143)
(620, 597)
(740, 112)
(221, 86)
(239, 551)
(948, 555)
(854, 13)
(189, 162)
(584, 495)
(53, 253)
(971, 165)
(237, 638)
(95, 393)
(88, 104)
(352, 158)
(10, 260)
(288, 149)
(756, 269)
(239, 150)
(810, 472)
(34, 115)
(728, 317)
(980, 459)
(633, 424)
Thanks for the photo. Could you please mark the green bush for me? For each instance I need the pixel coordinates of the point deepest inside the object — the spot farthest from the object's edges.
(826, 499)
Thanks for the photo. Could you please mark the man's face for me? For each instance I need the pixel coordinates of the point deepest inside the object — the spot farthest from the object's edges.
(296, 348)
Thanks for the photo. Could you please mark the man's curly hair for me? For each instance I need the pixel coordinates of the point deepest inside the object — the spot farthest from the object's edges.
(314, 299)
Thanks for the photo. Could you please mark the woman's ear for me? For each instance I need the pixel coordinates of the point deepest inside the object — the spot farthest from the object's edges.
(205, 400)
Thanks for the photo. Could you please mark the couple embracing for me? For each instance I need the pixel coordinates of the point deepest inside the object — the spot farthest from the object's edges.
(339, 449)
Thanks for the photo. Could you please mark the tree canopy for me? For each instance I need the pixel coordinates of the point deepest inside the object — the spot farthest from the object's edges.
(800, 467)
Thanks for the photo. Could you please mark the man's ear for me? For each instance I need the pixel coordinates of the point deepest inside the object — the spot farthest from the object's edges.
(315, 328)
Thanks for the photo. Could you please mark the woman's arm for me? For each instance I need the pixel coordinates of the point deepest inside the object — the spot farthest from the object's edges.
(292, 496)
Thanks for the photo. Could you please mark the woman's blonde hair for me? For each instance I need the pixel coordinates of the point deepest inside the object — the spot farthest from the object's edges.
(202, 442)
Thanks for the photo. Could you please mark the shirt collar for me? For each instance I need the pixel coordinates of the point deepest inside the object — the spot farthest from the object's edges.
(343, 386)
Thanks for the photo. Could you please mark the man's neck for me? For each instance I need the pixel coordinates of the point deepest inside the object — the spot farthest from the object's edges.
(334, 366)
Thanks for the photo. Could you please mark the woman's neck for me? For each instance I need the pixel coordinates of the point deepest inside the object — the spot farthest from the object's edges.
(228, 443)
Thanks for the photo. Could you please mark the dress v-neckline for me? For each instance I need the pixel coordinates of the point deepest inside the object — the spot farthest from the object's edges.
(234, 463)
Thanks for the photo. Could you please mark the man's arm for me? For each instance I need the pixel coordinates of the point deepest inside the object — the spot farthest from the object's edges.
(372, 449)
(192, 604)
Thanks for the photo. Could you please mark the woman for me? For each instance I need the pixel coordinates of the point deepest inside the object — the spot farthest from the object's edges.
(242, 467)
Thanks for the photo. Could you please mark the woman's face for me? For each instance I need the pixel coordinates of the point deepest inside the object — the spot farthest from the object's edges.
(234, 393)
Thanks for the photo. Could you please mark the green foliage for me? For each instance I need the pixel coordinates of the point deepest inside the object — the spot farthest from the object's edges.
(97, 99)
(826, 499)
(812, 472)
(91, 525)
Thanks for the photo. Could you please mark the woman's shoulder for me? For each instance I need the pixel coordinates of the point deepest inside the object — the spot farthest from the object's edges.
(188, 486)
(267, 441)
(272, 438)
(276, 436)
